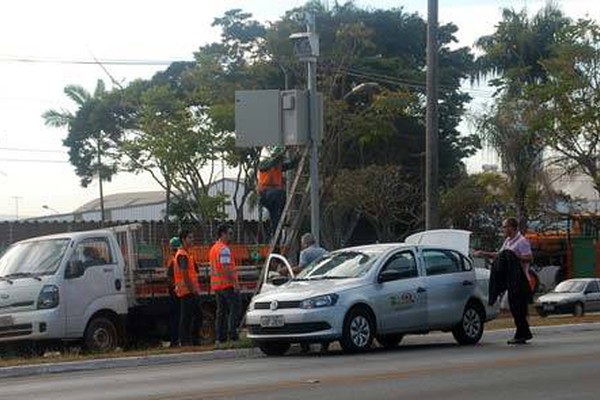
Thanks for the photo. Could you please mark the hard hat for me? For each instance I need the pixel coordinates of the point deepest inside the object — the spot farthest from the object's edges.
(175, 243)
(277, 151)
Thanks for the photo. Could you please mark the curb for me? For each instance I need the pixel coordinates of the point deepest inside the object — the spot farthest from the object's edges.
(232, 354)
(127, 362)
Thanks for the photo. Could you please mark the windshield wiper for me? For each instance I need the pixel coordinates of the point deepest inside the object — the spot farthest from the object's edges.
(23, 275)
(324, 277)
(5, 279)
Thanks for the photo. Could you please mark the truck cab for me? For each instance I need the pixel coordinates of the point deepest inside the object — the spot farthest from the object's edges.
(68, 286)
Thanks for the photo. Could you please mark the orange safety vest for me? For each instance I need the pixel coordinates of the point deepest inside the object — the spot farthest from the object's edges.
(223, 274)
(181, 288)
(270, 178)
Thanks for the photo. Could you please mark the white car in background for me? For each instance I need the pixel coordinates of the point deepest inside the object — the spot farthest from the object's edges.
(573, 296)
(380, 291)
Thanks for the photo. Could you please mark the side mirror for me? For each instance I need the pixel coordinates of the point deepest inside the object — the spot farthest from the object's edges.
(279, 280)
(389, 275)
(75, 269)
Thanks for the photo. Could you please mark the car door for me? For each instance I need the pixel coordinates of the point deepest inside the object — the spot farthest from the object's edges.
(450, 282)
(592, 296)
(272, 276)
(90, 276)
(400, 297)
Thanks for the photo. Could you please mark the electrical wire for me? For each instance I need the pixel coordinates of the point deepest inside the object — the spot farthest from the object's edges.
(124, 62)
(32, 150)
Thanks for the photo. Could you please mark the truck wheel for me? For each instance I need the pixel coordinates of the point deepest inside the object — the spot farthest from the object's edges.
(101, 335)
(470, 328)
(390, 341)
(274, 348)
(578, 310)
(358, 331)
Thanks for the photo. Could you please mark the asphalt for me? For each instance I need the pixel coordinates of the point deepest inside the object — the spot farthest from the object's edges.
(215, 355)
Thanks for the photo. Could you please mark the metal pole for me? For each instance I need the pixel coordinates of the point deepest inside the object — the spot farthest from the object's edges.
(99, 160)
(314, 152)
(431, 128)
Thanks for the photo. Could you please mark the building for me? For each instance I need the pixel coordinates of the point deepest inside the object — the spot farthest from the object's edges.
(150, 206)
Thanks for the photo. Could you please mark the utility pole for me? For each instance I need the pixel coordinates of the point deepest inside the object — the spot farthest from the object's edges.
(17, 198)
(315, 227)
(431, 127)
(100, 180)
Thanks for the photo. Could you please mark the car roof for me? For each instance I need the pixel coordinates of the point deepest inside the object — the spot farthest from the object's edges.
(384, 247)
(68, 235)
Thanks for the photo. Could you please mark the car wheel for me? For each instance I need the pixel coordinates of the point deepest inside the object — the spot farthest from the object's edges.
(578, 310)
(542, 313)
(390, 341)
(470, 329)
(358, 331)
(274, 348)
(101, 335)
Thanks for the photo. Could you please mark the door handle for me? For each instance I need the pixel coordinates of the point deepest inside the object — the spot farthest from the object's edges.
(467, 283)
(118, 285)
(421, 290)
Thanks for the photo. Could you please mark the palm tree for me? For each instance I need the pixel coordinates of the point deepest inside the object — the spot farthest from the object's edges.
(86, 138)
(512, 58)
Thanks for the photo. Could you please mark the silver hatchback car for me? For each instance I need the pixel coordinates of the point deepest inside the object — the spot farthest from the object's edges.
(380, 291)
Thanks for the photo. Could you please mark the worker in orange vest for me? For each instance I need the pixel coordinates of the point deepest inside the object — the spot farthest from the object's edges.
(271, 188)
(224, 284)
(186, 289)
(174, 245)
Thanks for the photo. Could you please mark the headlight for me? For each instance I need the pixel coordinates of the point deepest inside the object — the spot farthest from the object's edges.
(48, 297)
(251, 306)
(327, 300)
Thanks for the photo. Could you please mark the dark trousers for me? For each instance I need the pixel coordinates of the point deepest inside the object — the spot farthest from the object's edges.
(518, 308)
(189, 320)
(274, 201)
(174, 318)
(228, 305)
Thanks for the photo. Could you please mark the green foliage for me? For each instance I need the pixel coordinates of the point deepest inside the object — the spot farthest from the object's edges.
(513, 57)
(568, 111)
(93, 131)
(384, 195)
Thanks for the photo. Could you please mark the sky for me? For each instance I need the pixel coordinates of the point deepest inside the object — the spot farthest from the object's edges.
(40, 40)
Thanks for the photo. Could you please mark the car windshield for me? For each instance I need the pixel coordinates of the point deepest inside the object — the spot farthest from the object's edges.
(40, 257)
(570, 287)
(339, 265)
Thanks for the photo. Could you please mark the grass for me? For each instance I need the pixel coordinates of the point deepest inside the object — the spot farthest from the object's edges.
(504, 321)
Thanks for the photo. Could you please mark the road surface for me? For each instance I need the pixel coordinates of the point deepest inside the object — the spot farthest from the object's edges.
(557, 365)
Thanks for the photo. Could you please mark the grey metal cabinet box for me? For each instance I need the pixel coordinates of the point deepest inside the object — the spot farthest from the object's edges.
(294, 116)
(257, 118)
(275, 118)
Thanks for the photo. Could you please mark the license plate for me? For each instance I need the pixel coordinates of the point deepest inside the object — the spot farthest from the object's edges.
(6, 321)
(272, 321)
(548, 307)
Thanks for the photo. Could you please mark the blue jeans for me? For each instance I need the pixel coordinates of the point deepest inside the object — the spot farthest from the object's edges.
(228, 305)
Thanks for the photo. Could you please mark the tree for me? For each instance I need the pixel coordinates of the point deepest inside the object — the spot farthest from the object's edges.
(384, 195)
(568, 111)
(93, 132)
(512, 57)
(384, 127)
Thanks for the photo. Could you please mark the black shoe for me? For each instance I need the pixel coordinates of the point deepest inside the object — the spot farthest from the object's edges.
(304, 348)
(517, 341)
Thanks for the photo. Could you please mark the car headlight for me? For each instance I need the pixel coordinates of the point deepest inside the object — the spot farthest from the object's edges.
(48, 297)
(251, 306)
(327, 300)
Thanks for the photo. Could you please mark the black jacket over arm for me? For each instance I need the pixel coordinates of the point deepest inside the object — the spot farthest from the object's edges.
(508, 275)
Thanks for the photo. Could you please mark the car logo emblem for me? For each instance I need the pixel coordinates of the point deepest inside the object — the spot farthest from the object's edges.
(274, 305)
